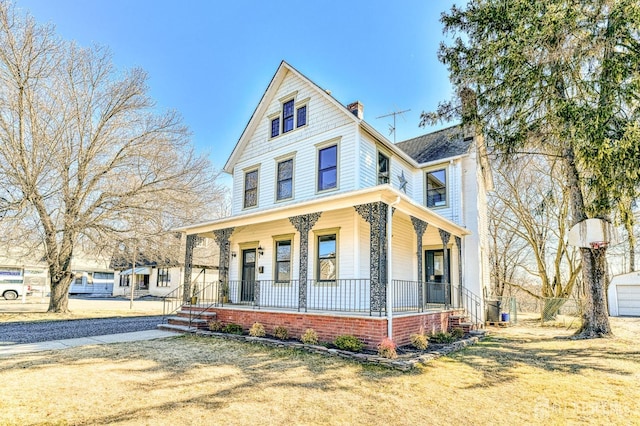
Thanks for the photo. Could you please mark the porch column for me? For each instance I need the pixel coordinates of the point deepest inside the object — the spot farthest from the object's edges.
(445, 236)
(376, 215)
(420, 227)
(192, 241)
(459, 245)
(303, 224)
(222, 237)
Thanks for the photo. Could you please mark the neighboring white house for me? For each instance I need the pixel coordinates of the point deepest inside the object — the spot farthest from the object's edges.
(330, 216)
(624, 295)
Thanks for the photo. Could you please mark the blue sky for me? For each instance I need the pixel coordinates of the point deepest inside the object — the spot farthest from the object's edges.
(212, 60)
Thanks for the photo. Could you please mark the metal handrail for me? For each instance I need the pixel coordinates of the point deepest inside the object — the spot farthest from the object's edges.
(471, 302)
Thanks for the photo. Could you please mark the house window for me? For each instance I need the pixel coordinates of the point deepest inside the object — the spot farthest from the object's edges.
(327, 265)
(301, 116)
(383, 169)
(251, 189)
(285, 179)
(283, 261)
(163, 277)
(124, 280)
(275, 127)
(437, 188)
(287, 116)
(327, 168)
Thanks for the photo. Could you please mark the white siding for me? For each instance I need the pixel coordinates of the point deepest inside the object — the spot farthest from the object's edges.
(325, 122)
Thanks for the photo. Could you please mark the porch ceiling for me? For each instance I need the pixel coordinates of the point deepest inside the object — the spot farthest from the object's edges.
(384, 193)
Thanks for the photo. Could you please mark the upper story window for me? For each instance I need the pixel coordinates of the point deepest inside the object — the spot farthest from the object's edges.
(301, 118)
(437, 188)
(251, 189)
(328, 168)
(287, 116)
(275, 127)
(292, 116)
(383, 169)
(285, 180)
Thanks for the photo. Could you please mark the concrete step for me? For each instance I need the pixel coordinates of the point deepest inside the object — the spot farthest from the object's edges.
(176, 328)
(208, 315)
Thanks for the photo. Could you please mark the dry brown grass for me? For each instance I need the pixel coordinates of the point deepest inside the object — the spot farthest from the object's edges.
(520, 375)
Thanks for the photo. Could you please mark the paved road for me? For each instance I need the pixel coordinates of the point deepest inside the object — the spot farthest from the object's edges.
(32, 332)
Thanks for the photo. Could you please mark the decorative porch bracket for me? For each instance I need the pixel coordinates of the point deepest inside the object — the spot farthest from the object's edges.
(420, 226)
(222, 237)
(192, 241)
(303, 224)
(459, 245)
(445, 236)
(375, 214)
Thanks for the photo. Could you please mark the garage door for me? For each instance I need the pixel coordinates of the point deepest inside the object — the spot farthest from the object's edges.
(629, 300)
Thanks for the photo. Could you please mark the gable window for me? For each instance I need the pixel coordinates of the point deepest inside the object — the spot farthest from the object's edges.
(285, 180)
(383, 169)
(163, 277)
(275, 127)
(437, 188)
(287, 116)
(328, 168)
(283, 261)
(301, 116)
(327, 258)
(251, 189)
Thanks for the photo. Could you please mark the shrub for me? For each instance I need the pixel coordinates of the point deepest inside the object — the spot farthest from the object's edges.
(419, 341)
(310, 337)
(457, 333)
(441, 337)
(257, 330)
(215, 325)
(348, 342)
(232, 328)
(387, 349)
(281, 333)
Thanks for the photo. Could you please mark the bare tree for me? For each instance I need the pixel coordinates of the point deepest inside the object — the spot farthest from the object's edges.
(530, 214)
(86, 159)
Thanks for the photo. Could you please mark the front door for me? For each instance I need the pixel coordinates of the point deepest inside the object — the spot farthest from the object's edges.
(436, 277)
(248, 275)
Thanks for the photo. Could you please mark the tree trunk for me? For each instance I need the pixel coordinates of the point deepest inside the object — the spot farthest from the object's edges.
(59, 300)
(595, 319)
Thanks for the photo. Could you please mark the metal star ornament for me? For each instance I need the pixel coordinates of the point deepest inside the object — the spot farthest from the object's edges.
(403, 182)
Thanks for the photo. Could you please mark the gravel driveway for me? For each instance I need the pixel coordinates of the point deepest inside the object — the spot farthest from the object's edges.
(32, 332)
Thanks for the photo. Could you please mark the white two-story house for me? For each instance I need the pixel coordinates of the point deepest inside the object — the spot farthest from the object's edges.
(335, 228)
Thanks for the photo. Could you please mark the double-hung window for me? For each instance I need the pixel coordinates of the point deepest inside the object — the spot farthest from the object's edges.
(275, 127)
(383, 169)
(163, 277)
(328, 168)
(301, 116)
(283, 261)
(437, 188)
(327, 258)
(251, 189)
(285, 180)
(287, 116)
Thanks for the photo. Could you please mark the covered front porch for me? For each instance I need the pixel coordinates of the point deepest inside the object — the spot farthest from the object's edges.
(373, 252)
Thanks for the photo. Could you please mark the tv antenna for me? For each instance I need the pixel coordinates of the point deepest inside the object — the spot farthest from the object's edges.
(392, 128)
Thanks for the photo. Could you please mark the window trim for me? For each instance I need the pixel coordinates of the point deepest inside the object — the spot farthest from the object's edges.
(320, 147)
(245, 172)
(282, 159)
(163, 283)
(447, 185)
(276, 240)
(293, 116)
(316, 270)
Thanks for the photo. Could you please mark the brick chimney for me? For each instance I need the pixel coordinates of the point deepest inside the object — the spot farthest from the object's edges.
(357, 109)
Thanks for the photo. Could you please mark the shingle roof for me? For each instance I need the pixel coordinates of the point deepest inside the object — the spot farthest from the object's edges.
(445, 143)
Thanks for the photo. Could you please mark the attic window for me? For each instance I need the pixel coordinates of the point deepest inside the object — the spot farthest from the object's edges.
(287, 116)
(275, 127)
(292, 115)
(301, 119)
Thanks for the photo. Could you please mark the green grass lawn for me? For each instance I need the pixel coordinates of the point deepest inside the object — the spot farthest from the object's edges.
(520, 375)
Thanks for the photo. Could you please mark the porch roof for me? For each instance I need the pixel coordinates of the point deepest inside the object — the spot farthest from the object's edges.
(385, 193)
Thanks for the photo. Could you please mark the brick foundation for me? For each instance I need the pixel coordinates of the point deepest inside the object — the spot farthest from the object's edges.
(371, 330)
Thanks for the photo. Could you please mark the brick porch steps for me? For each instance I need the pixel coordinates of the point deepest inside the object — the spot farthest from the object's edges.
(181, 321)
(462, 321)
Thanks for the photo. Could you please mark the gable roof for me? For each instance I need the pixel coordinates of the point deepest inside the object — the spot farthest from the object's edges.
(261, 109)
(445, 143)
